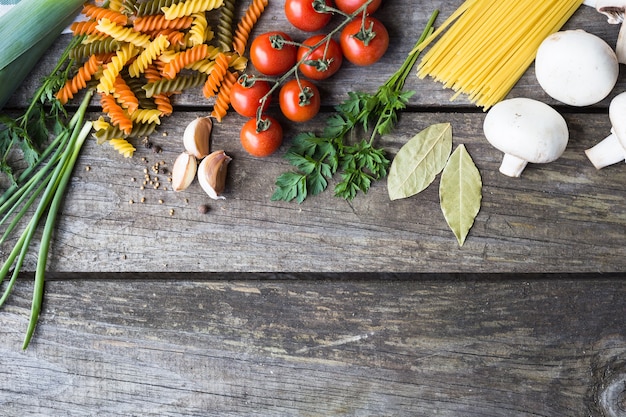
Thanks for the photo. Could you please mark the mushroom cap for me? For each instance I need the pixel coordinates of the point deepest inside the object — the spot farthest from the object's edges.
(576, 67)
(527, 129)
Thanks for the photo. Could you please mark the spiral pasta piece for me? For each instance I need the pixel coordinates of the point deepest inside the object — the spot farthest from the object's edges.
(116, 5)
(156, 22)
(197, 31)
(123, 146)
(85, 27)
(124, 95)
(123, 34)
(119, 117)
(100, 124)
(152, 6)
(180, 83)
(78, 81)
(97, 13)
(189, 7)
(213, 82)
(84, 50)
(184, 58)
(146, 116)
(113, 68)
(222, 101)
(225, 25)
(244, 27)
(111, 132)
(145, 58)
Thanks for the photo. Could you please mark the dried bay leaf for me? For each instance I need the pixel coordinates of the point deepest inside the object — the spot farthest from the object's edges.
(460, 193)
(419, 161)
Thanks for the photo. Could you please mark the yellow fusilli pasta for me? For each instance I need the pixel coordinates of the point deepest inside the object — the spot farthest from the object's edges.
(122, 33)
(113, 68)
(123, 146)
(145, 58)
(189, 7)
(146, 116)
(197, 31)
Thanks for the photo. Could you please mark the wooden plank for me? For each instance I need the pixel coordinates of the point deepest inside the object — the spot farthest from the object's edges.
(402, 345)
(561, 217)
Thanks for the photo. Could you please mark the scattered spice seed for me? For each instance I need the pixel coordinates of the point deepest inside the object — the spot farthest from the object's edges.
(203, 208)
(160, 201)
(87, 168)
(131, 202)
(171, 212)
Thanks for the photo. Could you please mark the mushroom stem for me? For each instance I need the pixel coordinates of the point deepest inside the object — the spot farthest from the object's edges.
(512, 166)
(620, 45)
(608, 152)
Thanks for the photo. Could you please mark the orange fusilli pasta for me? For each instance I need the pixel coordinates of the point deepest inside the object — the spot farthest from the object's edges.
(98, 13)
(79, 81)
(222, 101)
(118, 116)
(213, 82)
(249, 19)
(158, 22)
(124, 95)
(184, 58)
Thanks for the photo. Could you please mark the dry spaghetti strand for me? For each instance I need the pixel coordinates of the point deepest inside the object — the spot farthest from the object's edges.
(484, 47)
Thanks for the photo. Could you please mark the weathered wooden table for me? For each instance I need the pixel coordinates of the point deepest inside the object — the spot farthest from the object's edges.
(331, 308)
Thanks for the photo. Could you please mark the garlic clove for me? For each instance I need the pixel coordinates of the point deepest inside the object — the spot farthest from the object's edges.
(197, 136)
(183, 171)
(212, 174)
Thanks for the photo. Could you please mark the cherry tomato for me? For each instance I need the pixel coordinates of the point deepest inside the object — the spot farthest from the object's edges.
(327, 58)
(261, 139)
(270, 55)
(246, 94)
(303, 16)
(364, 45)
(299, 102)
(350, 6)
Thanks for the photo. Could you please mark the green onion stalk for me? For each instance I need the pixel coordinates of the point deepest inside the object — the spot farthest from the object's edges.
(50, 143)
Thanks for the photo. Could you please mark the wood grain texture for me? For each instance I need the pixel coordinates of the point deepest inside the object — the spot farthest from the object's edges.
(154, 313)
(403, 345)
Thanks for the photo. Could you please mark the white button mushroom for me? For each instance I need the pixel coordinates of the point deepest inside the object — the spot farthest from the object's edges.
(526, 130)
(576, 67)
(612, 149)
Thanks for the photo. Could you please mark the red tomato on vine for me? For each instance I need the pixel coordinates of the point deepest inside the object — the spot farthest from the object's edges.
(323, 62)
(350, 6)
(303, 15)
(261, 138)
(272, 54)
(364, 41)
(246, 95)
(299, 101)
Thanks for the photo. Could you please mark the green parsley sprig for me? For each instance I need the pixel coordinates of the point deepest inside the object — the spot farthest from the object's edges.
(359, 162)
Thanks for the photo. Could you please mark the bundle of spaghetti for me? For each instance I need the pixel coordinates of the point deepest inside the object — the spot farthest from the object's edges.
(485, 47)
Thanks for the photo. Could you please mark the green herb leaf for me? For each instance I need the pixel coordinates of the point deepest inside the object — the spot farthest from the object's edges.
(419, 161)
(460, 193)
(290, 185)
